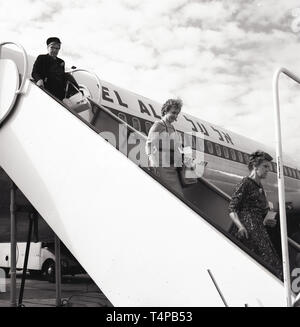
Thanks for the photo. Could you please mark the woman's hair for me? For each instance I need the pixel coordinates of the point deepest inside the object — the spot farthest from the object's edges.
(170, 103)
(257, 157)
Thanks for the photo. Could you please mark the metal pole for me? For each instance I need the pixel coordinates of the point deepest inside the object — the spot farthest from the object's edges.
(13, 246)
(281, 194)
(26, 260)
(217, 287)
(57, 271)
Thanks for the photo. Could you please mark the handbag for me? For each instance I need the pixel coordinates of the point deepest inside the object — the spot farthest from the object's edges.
(187, 175)
(75, 101)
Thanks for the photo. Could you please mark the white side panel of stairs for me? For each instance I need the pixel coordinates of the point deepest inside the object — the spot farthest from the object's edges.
(140, 244)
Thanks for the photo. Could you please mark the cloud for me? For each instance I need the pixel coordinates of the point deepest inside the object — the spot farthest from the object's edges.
(209, 14)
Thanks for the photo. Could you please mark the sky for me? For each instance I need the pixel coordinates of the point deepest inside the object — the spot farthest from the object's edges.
(218, 56)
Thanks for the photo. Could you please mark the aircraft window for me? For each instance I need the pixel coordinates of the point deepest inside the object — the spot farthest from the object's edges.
(274, 167)
(210, 147)
(194, 142)
(136, 123)
(148, 126)
(199, 144)
(285, 171)
(298, 174)
(233, 155)
(122, 116)
(218, 150)
(226, 153)
(246, 157)
(241, 159)
(294, 173)
(182, 136)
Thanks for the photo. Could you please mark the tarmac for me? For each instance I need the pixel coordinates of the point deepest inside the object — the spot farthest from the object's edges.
(76, 291)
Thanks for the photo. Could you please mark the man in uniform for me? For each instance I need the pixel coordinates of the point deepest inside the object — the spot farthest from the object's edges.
(49, 70)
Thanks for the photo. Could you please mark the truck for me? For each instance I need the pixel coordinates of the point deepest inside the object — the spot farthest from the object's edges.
(41, 260)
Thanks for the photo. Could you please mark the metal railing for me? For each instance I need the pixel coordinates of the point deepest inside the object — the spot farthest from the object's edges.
(294, 244)
(280, 178)
(76, 70)
(25, 58)
(20, 89)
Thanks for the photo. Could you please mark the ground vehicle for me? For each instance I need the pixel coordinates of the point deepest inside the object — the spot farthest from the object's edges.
(41, 261)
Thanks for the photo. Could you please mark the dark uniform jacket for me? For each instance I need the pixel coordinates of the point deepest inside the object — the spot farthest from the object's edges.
(52, 72)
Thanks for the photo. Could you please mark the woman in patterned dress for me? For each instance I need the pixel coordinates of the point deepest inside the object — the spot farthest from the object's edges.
(248, 208)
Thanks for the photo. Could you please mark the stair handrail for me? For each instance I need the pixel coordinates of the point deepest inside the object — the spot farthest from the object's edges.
(25, 58)
(280, 178)
(76, 70)
(18, 92)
